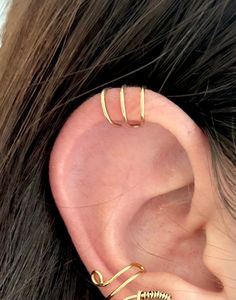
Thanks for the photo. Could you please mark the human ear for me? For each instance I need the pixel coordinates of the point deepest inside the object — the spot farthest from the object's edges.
(144, 195)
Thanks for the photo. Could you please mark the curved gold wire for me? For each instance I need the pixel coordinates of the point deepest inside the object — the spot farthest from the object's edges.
(104, 109)
(149, 295)
(142, 107)
(98, 280)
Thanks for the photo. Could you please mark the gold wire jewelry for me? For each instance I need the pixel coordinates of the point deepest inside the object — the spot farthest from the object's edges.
(150, 295)
(97, 278)
(123, 108)
(142, 108)
(104, 109)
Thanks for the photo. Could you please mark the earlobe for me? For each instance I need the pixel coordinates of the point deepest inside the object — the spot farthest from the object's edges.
(137, 194)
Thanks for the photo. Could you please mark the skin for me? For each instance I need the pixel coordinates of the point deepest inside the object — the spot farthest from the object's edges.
(144, 194)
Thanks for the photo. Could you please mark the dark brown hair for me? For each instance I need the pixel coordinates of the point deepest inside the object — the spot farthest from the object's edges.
(55, 54)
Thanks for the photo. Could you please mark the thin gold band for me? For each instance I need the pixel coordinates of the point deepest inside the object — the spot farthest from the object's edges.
(104, 109)
(142, 107)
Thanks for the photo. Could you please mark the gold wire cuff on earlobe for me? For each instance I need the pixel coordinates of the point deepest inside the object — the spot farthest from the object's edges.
(123, 108)
(97, 278)
(149, 295)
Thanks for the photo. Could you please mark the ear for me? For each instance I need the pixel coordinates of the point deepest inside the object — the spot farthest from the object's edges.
(143, 195)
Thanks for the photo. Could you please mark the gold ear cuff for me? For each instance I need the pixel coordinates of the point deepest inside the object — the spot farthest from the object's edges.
(98, 280)
(123, 108)
(149, 295)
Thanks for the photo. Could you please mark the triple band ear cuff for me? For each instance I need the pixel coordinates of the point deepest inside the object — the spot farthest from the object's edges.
(98, 280)
(123, 108)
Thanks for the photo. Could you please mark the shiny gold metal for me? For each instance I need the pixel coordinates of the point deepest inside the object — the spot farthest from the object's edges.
(97, 278)
(123, 108)
(122, 104)
(104, 109)
(149, 295)
(142, 107)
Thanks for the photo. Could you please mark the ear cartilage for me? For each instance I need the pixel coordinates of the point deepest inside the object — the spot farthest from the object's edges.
(149, 295)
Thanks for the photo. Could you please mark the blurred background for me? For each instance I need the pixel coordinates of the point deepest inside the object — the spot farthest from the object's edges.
(4, 5)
